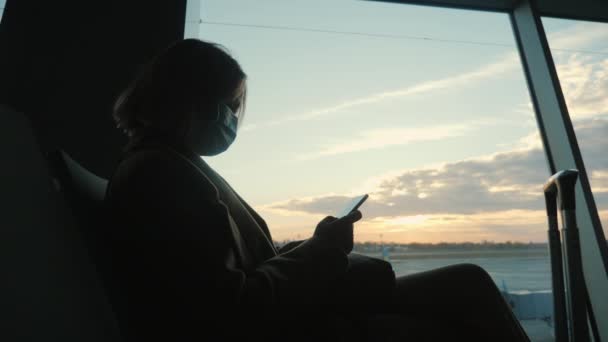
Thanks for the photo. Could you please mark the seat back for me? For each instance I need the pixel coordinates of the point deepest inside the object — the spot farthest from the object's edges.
(78, 179)
(49, 290)
(84, 193)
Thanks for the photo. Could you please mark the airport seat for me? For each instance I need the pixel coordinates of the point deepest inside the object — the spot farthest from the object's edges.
(50, 290)
(84, 193)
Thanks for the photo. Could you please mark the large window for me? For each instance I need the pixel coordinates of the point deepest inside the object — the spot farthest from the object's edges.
(580, 52)
(425, 109)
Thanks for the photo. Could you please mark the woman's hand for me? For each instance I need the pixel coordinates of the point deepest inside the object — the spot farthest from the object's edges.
(338, 232)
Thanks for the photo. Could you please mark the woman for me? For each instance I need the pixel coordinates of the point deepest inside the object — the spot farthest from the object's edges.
(192, 260)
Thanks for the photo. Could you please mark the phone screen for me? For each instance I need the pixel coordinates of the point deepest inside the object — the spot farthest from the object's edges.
(352, 205)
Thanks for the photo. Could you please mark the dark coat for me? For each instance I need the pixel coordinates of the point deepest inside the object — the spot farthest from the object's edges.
(191, 260)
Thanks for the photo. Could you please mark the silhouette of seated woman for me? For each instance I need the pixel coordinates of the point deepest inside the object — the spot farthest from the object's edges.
(192, 261)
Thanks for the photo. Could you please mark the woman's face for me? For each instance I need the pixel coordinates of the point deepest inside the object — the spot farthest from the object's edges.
(237, 103)
(210, 137)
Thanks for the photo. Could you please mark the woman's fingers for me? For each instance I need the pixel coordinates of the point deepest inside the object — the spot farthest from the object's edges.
(339, 231)
(353, 217)
(327, 219)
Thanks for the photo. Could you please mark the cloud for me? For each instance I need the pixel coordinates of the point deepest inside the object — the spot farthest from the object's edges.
(386, 137)
(577, 36)
(496, 197)
(584, 81)
(574, 37)
(382, 138)
(496, 68)
(506, 180)
(599, 181)
(519, 225)
(503, 181)
(493, 197)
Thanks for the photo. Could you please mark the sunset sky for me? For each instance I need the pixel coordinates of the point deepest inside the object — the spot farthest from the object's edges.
(426, 109)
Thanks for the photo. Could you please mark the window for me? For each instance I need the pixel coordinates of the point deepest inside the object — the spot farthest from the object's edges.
(580, 52)
(426, 109)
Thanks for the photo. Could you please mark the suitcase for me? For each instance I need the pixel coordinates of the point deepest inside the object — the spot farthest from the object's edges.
(569, 290)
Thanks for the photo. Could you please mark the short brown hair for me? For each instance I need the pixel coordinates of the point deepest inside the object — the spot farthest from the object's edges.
(188, 76)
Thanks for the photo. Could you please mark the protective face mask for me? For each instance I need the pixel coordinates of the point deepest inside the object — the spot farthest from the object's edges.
(210, 138)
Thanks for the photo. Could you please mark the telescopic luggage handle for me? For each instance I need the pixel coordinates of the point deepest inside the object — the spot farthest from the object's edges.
(562, 186)
(555, 254)
(569, 290)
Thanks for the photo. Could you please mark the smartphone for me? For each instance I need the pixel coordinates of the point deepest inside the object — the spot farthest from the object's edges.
(352, 205)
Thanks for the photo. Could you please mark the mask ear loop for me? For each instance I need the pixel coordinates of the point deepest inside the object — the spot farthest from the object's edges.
(224, 111)
(219, 113)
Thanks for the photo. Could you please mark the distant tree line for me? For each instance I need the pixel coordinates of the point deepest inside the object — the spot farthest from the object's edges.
(453, 246)
(374, 246)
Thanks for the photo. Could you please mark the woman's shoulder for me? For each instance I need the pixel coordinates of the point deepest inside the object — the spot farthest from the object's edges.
(162, 168)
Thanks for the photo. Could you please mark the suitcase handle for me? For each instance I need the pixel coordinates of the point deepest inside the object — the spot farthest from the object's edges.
(569, 290)
(562, 185)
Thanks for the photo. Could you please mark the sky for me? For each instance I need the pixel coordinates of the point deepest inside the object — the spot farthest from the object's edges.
(425, 109)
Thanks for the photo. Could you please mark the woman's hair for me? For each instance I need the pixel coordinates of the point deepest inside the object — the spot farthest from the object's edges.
(190, 76)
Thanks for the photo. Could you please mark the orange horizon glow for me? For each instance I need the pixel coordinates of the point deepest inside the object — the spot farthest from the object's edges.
(521, 226)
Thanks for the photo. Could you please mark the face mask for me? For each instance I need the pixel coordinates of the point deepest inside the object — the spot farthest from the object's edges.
(209, 138)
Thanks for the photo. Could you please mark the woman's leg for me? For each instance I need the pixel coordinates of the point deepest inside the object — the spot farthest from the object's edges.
(454, 302)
